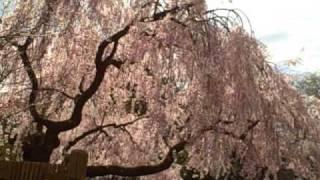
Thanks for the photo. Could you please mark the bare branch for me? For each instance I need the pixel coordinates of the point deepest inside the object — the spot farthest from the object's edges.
(57, 90)
(161, 15)
(100, 129)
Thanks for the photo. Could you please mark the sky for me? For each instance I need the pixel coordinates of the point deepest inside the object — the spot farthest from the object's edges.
(289, 28)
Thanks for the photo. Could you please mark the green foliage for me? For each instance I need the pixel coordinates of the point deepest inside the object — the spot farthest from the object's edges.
(182, 157)
(138, 106)
(189, 173)
(309, 84)
(8, 150)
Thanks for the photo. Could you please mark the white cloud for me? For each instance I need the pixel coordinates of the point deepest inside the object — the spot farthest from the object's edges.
(285, 26)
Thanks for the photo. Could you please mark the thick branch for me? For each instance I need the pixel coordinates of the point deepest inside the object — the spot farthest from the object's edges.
(93, 171)
(80, 101)
(102, 63)
(34, 82)
(101, 66)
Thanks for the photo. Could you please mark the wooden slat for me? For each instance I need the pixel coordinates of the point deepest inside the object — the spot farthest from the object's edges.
(10, 166)
(24, 170)
(32, 171)
(19, 172)
(74, 168)
(43, 171)
(77, 164)
(15, 171)
(4, 173)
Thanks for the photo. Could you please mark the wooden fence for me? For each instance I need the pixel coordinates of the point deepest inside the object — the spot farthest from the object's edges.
(73, 168)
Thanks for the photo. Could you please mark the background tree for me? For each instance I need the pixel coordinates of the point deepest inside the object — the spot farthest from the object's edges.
(137, 83)
(309, 84)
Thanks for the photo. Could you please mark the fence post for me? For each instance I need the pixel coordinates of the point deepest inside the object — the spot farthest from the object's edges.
(77, 165)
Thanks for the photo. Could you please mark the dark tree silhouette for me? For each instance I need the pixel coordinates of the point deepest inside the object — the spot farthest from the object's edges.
(137, 83)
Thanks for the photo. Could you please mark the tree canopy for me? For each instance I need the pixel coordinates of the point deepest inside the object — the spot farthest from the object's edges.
(143, 85)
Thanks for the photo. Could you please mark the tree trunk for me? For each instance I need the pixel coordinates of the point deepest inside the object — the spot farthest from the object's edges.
(39, 147)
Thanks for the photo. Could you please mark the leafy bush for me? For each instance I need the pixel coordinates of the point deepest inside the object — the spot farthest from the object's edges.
(309, 84)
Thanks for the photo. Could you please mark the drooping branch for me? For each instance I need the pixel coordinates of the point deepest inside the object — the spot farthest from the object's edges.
(242, 136)
(93, 171)
(57, 90)
(213, 16)
(249, 129)
(161, 15)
